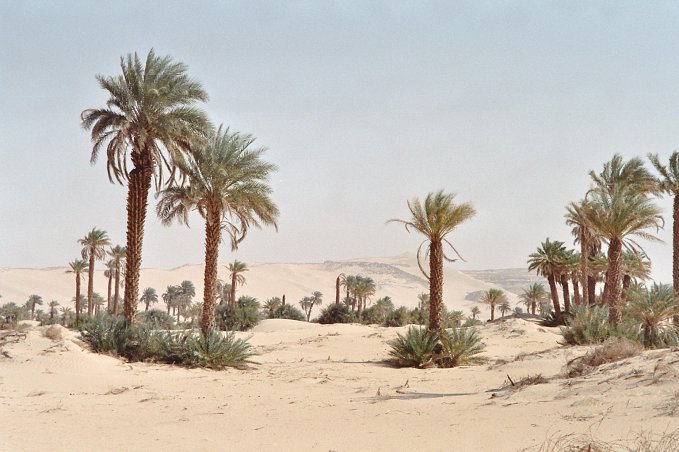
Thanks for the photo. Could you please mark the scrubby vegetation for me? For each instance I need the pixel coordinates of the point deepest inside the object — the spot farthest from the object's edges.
(289, 312)
(336, 313)
(420, 347)
(614, 349)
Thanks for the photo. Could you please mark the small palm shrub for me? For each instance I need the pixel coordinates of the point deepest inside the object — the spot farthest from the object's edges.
(589, 325)
(414, 349)
(337, 313)
(156, 319)
(106, 334)
(460, 346)
(398, 317)
(246, 316)
(372, 316)
(653, 307)
(216, 351)
(451, 347)
(289, 312)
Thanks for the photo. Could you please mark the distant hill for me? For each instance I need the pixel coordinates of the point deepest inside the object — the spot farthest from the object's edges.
(513, 280)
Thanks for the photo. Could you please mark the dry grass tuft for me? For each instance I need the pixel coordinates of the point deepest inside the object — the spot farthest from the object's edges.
(644, 442)
(53, 333)
(614, 349)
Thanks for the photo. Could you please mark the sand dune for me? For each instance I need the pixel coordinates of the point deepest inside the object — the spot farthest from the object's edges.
(325, 387)
(397, 277)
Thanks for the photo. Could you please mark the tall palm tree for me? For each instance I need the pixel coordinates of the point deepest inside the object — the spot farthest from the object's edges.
(493, 298)
(53, 308)
(308, 303)
(504, 307)
(149, 296)
(475, 311)
(423, 301)
(235, 272)
(97, 302)
(576, 219)
(171, 296)
(228, 186)
(338, 282)
(94, 244)
(32, 301)
(119, 256)
(618, 214)
(365, 287)
(669, 184)
(546, 261)
(149, 120)
(533, 296)
(435, 219)
(109, 273)
(77, 267)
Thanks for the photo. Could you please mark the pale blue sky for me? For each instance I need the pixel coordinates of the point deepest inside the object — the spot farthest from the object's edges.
(363, 105)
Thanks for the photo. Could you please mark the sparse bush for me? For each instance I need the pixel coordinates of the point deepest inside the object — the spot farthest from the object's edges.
(246, 316)
(156, 319)
(336, 313)
(471, 322)
(452, 347)
(53, 332)
(289, 312)
(398, 317)
(614, 349)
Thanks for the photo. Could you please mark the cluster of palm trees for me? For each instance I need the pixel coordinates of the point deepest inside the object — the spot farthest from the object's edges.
(308, 303)
(618, 209)
(358, 290)
(495, 298)
(151, 130)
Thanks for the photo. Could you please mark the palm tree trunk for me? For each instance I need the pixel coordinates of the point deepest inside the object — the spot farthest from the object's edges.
(566, 294)
(626, 282)
(90, 284)
(591, 289)
(583, 268)
(212, 239)
(283, 302)
(612, 287)
(116, 294)
(137, 202)
(533, 306)
(675, 252)
(576, 291)
(33, 310)
(108, 297)
(555, 295)
(147, 306)
(492, 312)
(337, 290)
(435, 284)
(77, 298)
(232, 297)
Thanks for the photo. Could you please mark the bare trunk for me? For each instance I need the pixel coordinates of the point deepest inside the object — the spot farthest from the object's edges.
(137, 202)
(283, 302)
(232, 297)
(583, 268)
(626, 281)
(612, 287)
(116, 294)
(492, 312)
(555, 295)
(591, 289)
(337, 290)
(675, 251)
(576, 291)
(108, 296)
(533, 306)
(90, 285)
(77, 298)
(147, 306)
(566, 295)
(435, 285)
(212, 239)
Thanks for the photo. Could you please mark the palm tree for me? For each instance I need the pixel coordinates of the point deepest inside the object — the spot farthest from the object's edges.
(149, 120)
(456, 318)
(65, 314)
(93, 249)
(78, 267)
(109, 273)
(634, 267)
(53, 308)
(423, 301)
(171, 296)
(493, 297)
(228, 186)
(504, 307)
(669, 184)
(32, 301)
(365, 287)
(271, 305)
(119, 256)
(652, 307)
(149, 296)
(237, 278)
(338, 282)
(475, 311)
(533, 296)
(186, 291)
(546, 261)
(97, 302)
(619, 214)
(308, 303)
(435, 219)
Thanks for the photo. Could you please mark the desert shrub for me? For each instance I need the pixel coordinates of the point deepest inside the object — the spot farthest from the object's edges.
(246, 316)
(589, 325)
(156, 319)
(53, 332)
(398, 317)
(459, 346)
(10, 314)
(613, 349)
(551, 319)
(372, 316)
(336, 313)
(471, 322)
(106, 334)
(289, 312)
(414, 349)
(418, 316)
(216, 351)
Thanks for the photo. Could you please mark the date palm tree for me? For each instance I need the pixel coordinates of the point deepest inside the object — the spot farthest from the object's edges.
(149, 120)
(110, 274)
(547, 261)
(32, 301)
(652, 307)
(53, 308)
(77, 267)
(504, 307)
(149, 296)
(94, 244)
(493, 298)
(119, 256)
(308, 303)
(237, 278)
(435, 219)
(475, 311)
(271, 305)
(338, 282)
(365, 287)
(423, 301)
(228, 186)
(533, 296)
(171, 296)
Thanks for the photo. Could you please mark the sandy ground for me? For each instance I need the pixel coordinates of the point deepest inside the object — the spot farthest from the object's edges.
(326, 388)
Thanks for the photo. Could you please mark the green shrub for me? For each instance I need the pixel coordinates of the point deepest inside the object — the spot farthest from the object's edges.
(289, 312)
(398, 317)
(414, 349)
(418, 316)
(589, 325)
(156, 319)
(459, 346)
(471, 322)
(216, 351)
(10, 314)
(336, 313)
(246, 316)
(106, 334)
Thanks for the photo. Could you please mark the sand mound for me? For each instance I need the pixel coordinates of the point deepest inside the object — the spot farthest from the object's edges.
(279, 325)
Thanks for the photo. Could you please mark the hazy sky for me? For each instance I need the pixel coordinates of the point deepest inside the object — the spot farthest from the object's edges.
(362, 105)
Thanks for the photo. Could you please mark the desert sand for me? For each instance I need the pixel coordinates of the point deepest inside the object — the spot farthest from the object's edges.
(327, 387)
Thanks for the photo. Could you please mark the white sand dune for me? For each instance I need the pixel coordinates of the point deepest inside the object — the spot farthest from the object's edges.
(397, 277)
(325, 387)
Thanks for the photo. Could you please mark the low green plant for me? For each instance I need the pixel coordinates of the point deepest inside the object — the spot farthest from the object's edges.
(414, 349)
(289, 312)
(336, 313)
(246, 316)
(398, 317)
(589, 325)
(106, 334)
(451, 347)
(216, 351)
(459, 346)
(156, 319)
